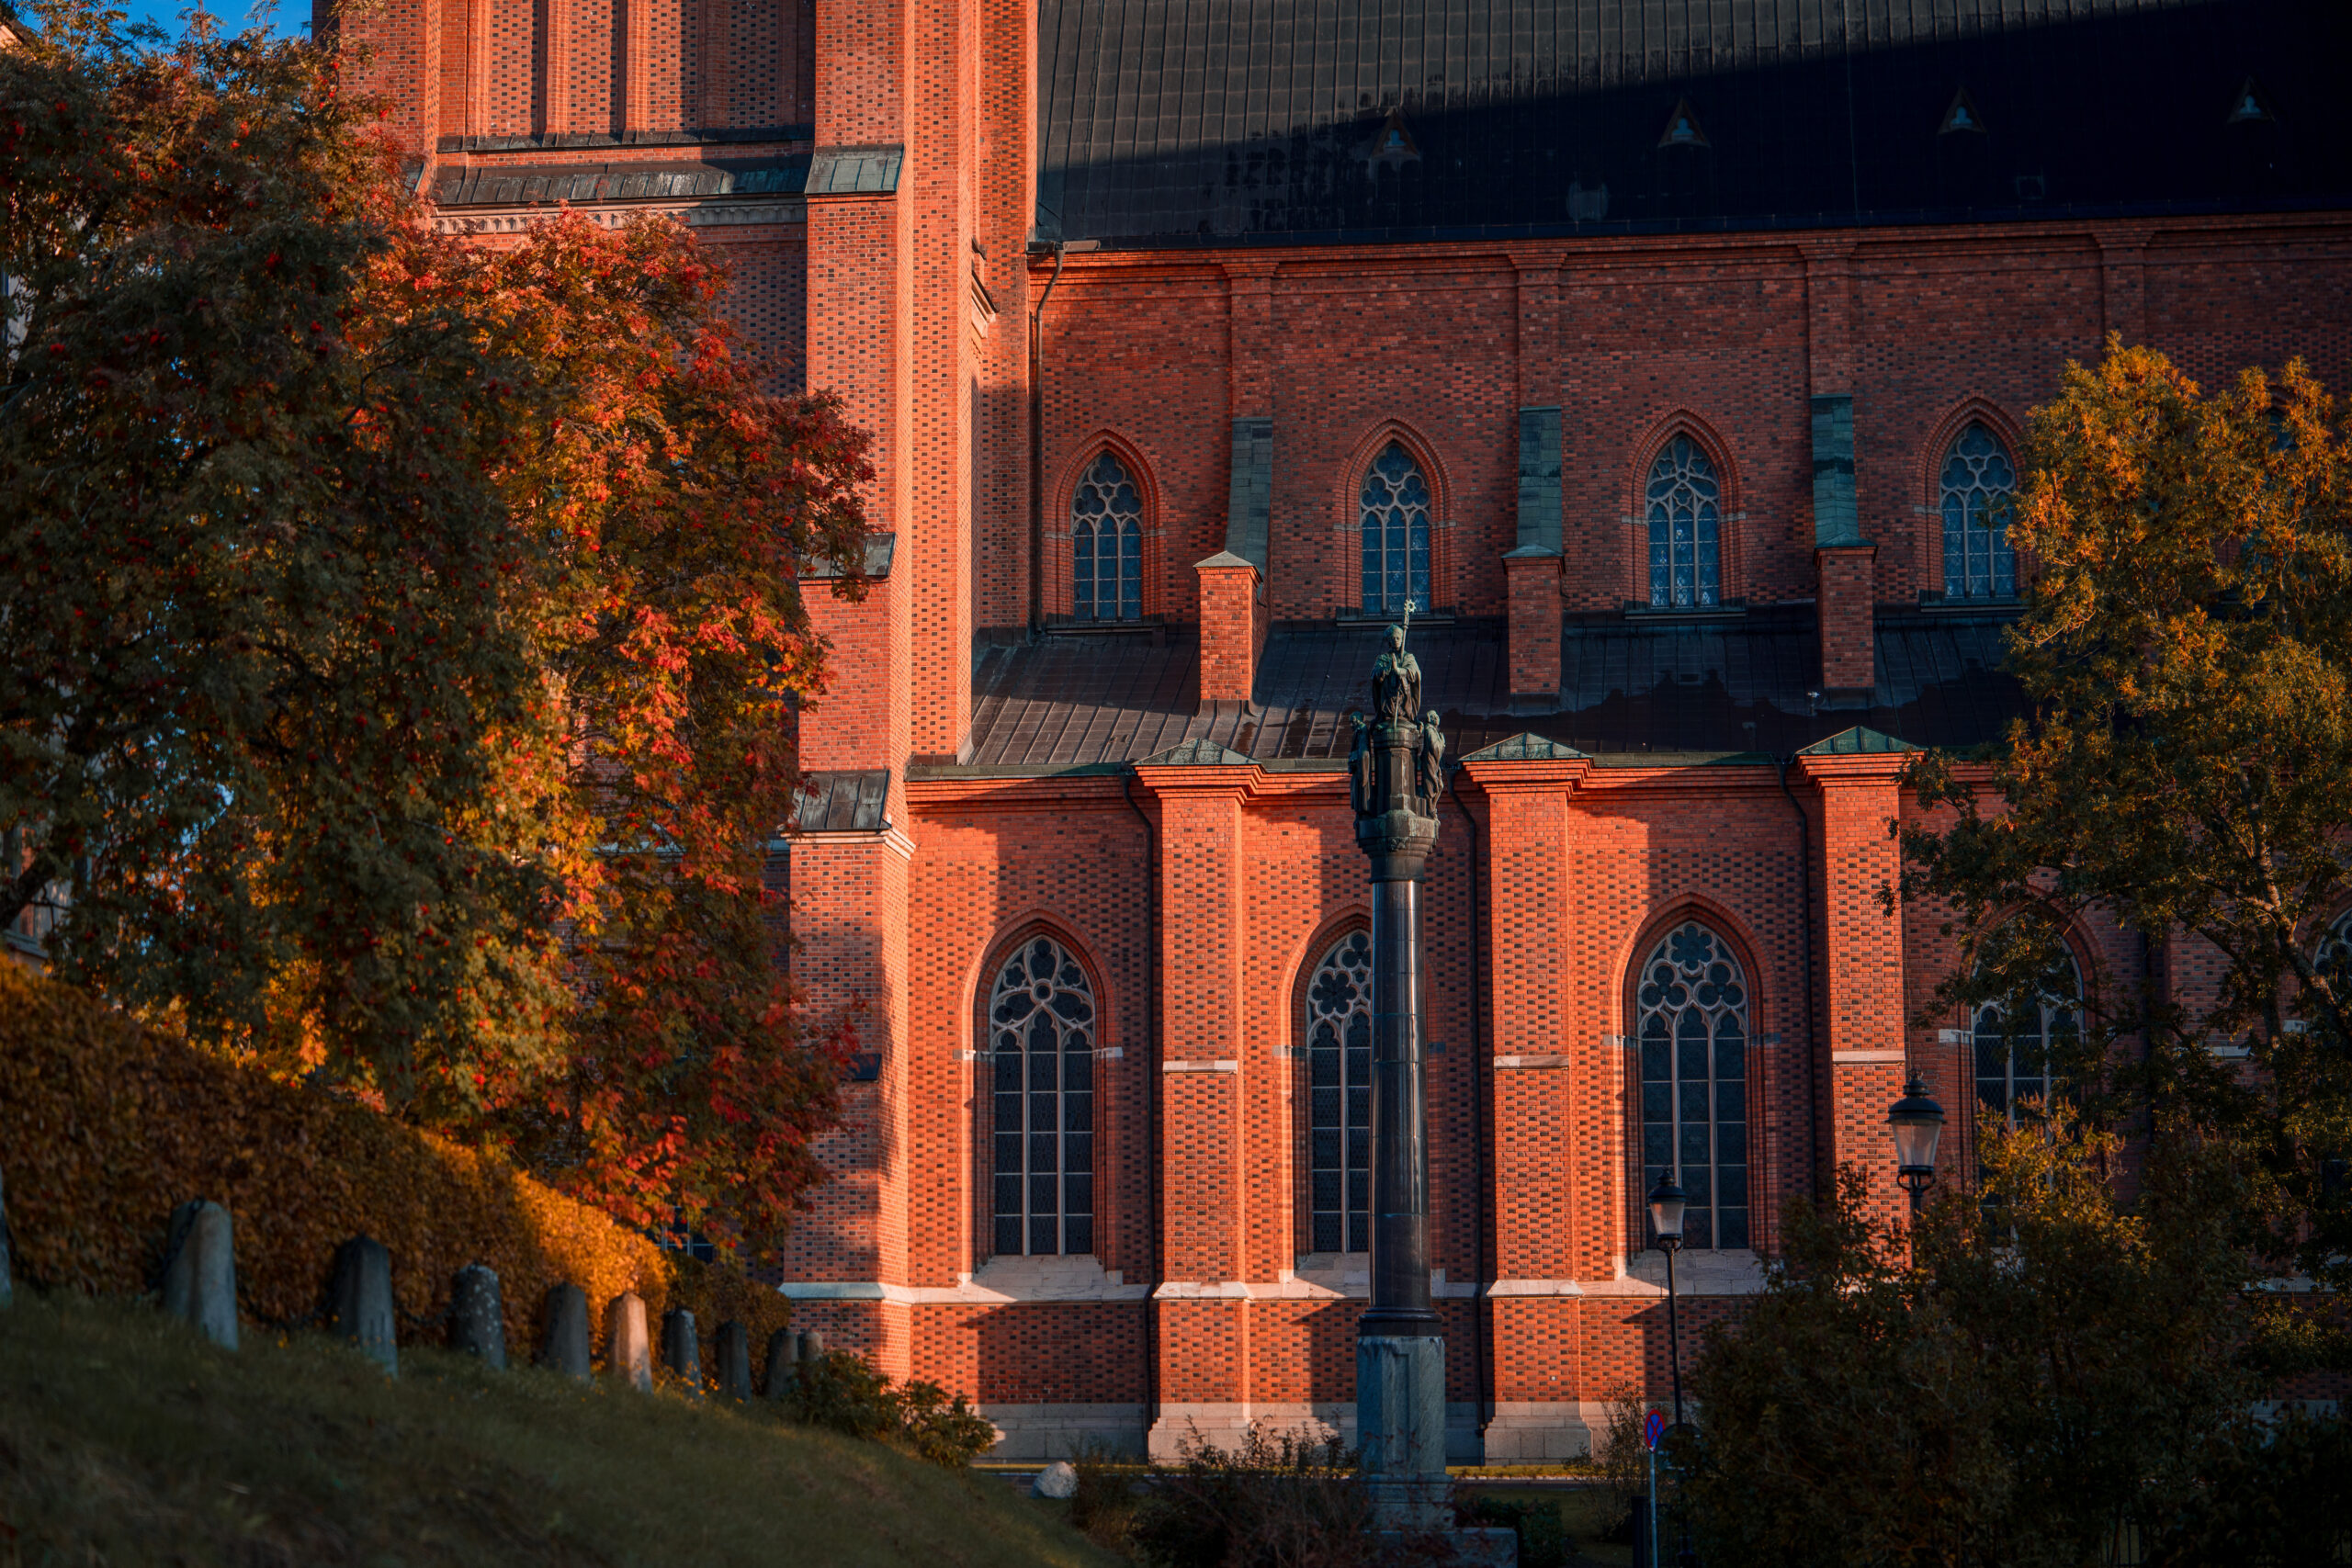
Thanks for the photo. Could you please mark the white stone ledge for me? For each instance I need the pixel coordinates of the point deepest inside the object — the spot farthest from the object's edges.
(1223, 1065)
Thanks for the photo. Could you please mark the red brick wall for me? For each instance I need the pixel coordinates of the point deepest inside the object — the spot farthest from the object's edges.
(1725, 335)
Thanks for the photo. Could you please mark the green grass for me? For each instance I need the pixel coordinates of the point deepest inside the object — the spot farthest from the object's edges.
(126, 1438)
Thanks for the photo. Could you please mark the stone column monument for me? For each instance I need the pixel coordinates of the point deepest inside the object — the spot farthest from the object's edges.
(1395, 776)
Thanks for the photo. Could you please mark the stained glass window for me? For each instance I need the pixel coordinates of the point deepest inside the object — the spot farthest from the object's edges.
(1693, 1009)
(1041, 1067)
(1396, 520)
(1106, 544)
(1685, 502)
(1978, 479)
(1339, 1076)
(2013, 1053)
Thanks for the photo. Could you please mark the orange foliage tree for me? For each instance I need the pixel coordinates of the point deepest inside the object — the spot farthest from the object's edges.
(406, 638)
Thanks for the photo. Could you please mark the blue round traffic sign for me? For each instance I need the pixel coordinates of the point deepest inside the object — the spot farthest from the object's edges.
(1654, 1428)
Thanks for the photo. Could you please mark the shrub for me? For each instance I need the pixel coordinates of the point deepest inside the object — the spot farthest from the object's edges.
(845, 1394)
(1543, 1537)
(1274, 1502)
(1623, 1458)
(1104, 1508)
(111, 1126)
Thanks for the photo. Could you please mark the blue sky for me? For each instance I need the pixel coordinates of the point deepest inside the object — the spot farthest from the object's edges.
(293, 16)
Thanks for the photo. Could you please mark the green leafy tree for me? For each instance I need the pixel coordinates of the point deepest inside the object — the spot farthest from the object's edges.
(2185, 649)
(2013, 1390)
(405, 643)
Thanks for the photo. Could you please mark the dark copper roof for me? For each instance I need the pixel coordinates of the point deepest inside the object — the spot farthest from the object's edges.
(1193, 121)
(1631, 686)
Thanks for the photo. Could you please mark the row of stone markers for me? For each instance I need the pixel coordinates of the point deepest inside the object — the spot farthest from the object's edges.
(200, 1286)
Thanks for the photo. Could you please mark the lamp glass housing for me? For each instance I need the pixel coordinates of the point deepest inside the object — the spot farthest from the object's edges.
(1918, 1123)
(1666, 1203)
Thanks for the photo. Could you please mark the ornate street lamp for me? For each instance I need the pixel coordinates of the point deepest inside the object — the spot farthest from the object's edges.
(1918, 1123)
(1666, 1203)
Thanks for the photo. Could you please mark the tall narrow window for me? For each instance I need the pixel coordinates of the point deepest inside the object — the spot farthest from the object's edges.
(2013, 1051)
(1395, 521)
(1106, 544)
(1686, 528)
(1041, 1054)
(1339, 1073)
(1693, 1007)
(1978, 479)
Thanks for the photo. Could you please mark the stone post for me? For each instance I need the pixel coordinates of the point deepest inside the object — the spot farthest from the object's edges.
(477, 1315)
(359, 1301)
(627, 1357)
(812, 1344)
(731, 1358)
(200, 1272)
(783, 1354)
(563, 1332)
(1396, 773)
(681, 1350)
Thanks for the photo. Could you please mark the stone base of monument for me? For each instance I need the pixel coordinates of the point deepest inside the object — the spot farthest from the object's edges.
(1400, 1429)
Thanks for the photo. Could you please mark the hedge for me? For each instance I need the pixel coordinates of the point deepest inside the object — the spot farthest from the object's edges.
(107, 1127)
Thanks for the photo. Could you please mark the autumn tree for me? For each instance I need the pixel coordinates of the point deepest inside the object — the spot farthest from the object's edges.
(2011, 1383)
(2185, 650)
(404, 637)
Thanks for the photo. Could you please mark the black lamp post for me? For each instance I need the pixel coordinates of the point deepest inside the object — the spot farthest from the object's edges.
(1666, 1203)
(1918, 1123)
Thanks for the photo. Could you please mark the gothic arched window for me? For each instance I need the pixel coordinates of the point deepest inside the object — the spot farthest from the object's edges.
(2335, 954)
(1106, 544)
(1693, 1009)
(2013, 1052)
(1041, 1050)
(1395, 522)
(1685, 506)
(1339, 1076)
(1978, 479)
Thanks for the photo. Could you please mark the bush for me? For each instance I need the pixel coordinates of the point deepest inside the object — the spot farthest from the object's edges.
(1104, 1505)
(846, 1394)
(1623, 1457)
(110, 1127)
(1278, 1502)
(1543, 1537)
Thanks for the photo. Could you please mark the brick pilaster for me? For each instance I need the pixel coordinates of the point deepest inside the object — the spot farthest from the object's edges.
(1205, 1194)
(1554, 1151)
(1862, 962)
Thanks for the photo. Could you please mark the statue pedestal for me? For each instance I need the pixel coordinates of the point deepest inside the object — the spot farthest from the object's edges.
(1400, 1429)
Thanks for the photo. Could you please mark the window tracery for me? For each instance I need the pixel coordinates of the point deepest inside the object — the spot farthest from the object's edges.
(2013, 1054)
(1395, 521)
(1339, 1063)
(1041, 1054)
(1685, 515)
(1106, 544)
(1977, 482)
(1693, 1009)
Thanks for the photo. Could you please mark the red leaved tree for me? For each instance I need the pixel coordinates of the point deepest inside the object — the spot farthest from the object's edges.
(404, 636)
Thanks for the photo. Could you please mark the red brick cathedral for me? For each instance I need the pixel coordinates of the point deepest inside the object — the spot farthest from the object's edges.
(1670, 361)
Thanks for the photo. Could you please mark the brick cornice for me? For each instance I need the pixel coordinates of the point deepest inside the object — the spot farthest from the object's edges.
(1524, 777)
(1238, 781)
(1867, 769)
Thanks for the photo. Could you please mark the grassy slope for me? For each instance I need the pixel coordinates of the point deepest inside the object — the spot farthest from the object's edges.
(125, 1439)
